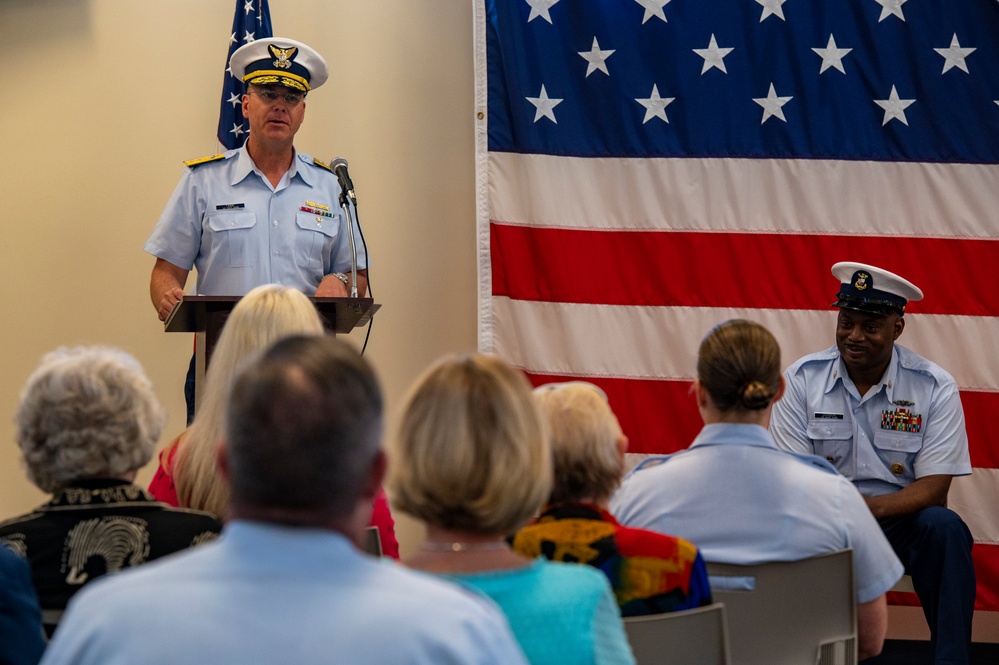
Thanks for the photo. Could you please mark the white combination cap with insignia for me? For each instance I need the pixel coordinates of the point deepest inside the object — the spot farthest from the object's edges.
(279, 61)
(870, 289)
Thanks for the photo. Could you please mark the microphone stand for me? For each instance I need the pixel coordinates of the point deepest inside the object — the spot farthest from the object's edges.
(350, 234)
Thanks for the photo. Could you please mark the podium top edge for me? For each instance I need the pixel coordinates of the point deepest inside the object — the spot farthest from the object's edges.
(193, 298)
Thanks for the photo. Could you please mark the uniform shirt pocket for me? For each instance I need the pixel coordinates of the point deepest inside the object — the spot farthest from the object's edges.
(833, 440)
(898, 450)
(232, 237)
(314, 239)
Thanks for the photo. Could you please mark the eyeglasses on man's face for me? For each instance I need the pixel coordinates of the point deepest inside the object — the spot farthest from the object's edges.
(270, 96)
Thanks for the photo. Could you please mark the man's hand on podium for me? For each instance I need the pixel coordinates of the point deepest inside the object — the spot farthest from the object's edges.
(166, 287)
(168, 302)
(332, 287)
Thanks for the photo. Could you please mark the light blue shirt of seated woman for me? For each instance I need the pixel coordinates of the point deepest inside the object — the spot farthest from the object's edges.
(561, 613)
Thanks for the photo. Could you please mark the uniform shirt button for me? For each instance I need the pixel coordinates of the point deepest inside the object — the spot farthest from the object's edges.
(276, 252)
(275, 222)
(828, 432)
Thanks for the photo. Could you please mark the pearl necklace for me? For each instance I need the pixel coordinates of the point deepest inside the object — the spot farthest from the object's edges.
(463, 547)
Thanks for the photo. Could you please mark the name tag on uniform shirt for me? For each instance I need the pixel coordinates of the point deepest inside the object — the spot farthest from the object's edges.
(824, 415)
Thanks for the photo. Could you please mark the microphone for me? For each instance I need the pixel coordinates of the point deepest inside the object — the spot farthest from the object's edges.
(339, 167)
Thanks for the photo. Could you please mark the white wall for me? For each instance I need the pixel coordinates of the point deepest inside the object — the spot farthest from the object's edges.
(101, 101)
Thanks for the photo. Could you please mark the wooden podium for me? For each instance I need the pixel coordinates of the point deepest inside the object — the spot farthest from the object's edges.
(206, 315)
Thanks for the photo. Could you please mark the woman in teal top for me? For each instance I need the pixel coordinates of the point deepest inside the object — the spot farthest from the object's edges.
(471, 458)
(560, 612)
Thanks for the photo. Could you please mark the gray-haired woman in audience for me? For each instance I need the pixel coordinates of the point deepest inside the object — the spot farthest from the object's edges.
(472, 459)
(650, 572)
(87, 421)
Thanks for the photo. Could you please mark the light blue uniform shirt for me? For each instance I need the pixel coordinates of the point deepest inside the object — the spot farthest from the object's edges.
(742, 500)
(227, 220)
(909, 425)
(269, 594)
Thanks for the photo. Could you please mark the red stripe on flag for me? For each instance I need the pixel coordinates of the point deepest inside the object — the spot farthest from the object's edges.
(675, 420)
(750, 270)
(979, 420)
(987, 573)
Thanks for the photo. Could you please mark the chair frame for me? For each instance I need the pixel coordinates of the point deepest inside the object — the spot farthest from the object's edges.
(698, 636)
(796, 611)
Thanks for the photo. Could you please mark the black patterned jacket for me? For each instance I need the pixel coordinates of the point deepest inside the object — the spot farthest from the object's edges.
(96, 527)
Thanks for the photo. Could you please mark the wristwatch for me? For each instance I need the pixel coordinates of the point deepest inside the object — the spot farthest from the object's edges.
(342, 277)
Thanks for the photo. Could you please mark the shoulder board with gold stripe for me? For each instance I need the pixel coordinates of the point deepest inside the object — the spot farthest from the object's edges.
(322, 165)
(204, 160)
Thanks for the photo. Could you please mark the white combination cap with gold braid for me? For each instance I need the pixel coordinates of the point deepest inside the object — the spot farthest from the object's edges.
(279, 61)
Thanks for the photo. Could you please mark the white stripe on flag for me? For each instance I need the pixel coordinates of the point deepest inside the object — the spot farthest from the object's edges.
(974, 498)
(744, 195)
(661, 342)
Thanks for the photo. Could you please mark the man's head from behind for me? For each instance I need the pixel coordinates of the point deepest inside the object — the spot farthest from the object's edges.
(303, 431)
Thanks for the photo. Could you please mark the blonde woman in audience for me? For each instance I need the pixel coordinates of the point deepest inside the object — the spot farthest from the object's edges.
(650, 572)
(471, 458)
(188, 475)
(741, 499)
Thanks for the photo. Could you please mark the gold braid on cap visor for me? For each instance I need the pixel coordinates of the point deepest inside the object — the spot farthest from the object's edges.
(272, 77)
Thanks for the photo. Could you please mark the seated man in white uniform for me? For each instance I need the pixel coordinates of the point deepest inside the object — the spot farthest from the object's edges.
(891, 421)
(742, 500)
(286, 582)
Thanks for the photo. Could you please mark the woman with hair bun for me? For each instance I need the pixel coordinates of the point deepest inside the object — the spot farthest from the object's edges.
(742, 500)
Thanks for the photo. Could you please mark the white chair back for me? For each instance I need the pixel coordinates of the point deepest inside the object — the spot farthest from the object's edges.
(697, 636)
(790, 613)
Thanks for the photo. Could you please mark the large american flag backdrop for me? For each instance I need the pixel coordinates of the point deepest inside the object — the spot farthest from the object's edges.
(649, 168)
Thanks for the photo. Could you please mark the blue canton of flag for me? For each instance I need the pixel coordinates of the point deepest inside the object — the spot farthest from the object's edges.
(252, 21)
(864, 79)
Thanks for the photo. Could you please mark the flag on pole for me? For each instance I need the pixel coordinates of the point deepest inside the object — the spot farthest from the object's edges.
(649, 168)
(252, 21)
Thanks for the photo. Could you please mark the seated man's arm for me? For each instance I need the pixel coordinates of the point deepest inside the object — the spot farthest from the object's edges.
(166, 287)
(331, 287)
(789, 417)
(872, 626)
(921, 493)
